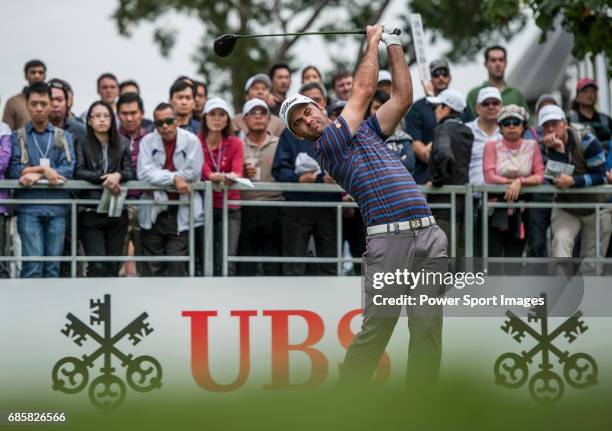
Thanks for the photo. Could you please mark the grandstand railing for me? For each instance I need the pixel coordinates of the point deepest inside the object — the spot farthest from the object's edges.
(75, 186)
(467, 193)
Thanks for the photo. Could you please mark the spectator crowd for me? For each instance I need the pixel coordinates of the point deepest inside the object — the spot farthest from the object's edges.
(489, 137)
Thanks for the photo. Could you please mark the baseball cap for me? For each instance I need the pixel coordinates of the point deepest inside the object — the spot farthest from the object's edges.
(254, 103)
(217, 102)
(585, 82)
(488, 93)
(545, 98)
(333, 107)
(289, 104)
(438, 64)
(259, 77)
(513, 111)
(550, 112)
(451, 98)
(384, 75)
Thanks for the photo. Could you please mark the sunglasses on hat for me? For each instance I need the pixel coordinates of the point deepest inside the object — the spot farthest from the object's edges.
(440, 73)
(488, 103)
(168, 121)
(513, 121)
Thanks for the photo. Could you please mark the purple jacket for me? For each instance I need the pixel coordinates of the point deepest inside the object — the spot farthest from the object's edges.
(5, 158)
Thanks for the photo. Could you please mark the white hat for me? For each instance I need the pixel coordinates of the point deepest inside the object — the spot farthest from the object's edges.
(550, 112)
(289, 104)
(546, 98)
(260, 77)
(217, 102)
(451, 98)
(254, 103)
(384, 75)
(488, 93)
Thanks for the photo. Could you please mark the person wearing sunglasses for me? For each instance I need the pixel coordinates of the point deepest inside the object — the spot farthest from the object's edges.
(170, 158)
(517, 163)
(103, 158)
(420, 121)
(260, 231)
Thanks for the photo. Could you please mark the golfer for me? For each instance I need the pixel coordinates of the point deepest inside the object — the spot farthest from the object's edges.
(399, 222)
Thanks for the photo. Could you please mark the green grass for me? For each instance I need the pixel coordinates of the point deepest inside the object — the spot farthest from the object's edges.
(457, 403)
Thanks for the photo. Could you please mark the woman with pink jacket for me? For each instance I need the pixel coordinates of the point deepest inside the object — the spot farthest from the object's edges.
(515, 162)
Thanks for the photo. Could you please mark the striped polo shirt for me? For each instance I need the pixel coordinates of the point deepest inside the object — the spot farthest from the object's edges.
(367, 170)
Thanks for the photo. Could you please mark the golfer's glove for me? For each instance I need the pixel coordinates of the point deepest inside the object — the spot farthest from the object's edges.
(390, 39)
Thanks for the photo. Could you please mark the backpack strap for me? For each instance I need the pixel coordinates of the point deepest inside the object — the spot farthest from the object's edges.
(21, 139)
(61, 141)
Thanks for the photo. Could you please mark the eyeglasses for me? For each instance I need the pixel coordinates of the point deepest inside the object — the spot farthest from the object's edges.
(167, 121)
(551, 124)
(507, 122)
(486, 104)
(100, 116)
(258, 112)
(440, 73)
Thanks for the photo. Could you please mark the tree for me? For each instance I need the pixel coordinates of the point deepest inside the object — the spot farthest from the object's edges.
(476, 23)
(247, 17)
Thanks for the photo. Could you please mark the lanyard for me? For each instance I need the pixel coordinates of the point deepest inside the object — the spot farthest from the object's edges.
(220, 151)
(42, 156)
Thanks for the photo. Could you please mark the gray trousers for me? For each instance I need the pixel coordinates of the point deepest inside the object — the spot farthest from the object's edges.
(413, 250)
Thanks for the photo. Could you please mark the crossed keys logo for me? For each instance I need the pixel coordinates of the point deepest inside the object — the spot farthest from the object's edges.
(70, 375)
(511, 369)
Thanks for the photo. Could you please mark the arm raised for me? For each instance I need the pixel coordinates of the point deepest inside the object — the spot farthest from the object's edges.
(394, 109)
(365, 82)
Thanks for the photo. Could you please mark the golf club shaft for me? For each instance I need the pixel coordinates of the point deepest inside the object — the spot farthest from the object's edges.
(309, 33)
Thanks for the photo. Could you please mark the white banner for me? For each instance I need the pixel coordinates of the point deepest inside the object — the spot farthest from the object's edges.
(418, 37)
(205, 336)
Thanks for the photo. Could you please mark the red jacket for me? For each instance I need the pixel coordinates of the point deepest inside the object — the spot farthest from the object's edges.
(227, 157)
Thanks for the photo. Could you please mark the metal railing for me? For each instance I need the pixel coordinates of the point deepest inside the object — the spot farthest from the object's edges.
(486, 190)
(73, 258)
(206, 188)
(339, 259)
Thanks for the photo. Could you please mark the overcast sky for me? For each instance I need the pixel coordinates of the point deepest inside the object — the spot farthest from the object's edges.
(78, 41)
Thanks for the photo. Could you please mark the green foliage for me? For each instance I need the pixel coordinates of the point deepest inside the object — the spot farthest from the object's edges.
(470, 25)
(247, 17)
(464, 23)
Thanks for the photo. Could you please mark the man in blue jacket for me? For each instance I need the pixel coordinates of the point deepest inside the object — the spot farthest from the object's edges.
(298, 224)
(41, 151)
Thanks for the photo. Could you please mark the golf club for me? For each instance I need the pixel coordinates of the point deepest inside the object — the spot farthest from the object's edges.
(224, 44)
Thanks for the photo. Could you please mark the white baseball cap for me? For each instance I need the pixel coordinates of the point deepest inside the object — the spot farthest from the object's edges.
(259, 77)
(488, 93)
(384, 75)
(451, 98)
(217, 102)
(254, 103)
(289, 104)
(550, 112)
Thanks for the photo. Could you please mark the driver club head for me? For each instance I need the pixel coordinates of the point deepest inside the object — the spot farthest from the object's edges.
(224, 45)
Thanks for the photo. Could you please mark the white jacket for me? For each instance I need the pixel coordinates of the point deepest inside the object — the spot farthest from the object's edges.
(188, 159)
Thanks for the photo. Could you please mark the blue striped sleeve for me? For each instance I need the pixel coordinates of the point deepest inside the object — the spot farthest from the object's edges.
(373, 124)
(335, 141)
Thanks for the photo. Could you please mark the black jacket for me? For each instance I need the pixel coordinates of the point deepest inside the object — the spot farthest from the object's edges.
(89, 165)
(449, 161)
